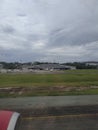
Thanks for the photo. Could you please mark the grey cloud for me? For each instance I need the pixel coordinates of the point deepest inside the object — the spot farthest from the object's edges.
(78, 26)
(7, 29)
(81, 34)
(37, 27)
(21, 14)
(35, 37)
(21, 56)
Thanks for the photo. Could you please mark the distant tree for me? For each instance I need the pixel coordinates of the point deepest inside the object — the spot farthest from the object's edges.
(37, 63)
(81, 65)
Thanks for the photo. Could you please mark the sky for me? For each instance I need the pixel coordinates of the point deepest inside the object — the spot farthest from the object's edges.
(48, 30)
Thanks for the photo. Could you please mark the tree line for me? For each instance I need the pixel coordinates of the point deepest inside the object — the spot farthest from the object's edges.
(17, 65)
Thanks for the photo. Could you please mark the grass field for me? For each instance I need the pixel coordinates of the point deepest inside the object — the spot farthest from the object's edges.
(69, 83)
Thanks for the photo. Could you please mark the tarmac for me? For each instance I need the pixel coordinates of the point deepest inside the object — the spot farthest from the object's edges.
(48, 101)
(55, 112)
(52, 105)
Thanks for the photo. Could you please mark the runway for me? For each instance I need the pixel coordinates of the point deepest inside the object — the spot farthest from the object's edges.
(64, 122)
(55, 113)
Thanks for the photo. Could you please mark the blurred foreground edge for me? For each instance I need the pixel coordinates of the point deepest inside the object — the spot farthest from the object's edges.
(8, 120)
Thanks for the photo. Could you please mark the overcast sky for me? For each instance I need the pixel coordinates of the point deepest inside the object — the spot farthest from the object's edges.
(48, 30)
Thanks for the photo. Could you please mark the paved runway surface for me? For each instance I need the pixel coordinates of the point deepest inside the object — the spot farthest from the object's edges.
(65, 122)
(55, 113)
(48, 101)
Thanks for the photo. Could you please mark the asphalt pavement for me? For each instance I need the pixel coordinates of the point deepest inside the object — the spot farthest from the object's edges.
(73, 122)
(55, 112)
(48, 101)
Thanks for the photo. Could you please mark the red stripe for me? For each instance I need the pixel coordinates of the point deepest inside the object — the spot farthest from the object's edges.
(5, 117)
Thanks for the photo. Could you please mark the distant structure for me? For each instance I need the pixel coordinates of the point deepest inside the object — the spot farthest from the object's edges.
(48, 67)
(44, 66)
(32, 67)
(1, 66)
(92, 63)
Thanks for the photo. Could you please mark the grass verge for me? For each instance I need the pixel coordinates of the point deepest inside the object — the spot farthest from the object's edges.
(72, 82)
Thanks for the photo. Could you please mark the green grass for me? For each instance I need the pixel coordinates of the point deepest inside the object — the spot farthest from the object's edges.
(71, 78)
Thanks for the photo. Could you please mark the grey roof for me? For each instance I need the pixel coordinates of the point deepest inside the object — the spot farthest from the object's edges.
(49, 66)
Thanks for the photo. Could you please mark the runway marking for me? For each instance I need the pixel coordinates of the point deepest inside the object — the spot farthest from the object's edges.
(61, 116)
